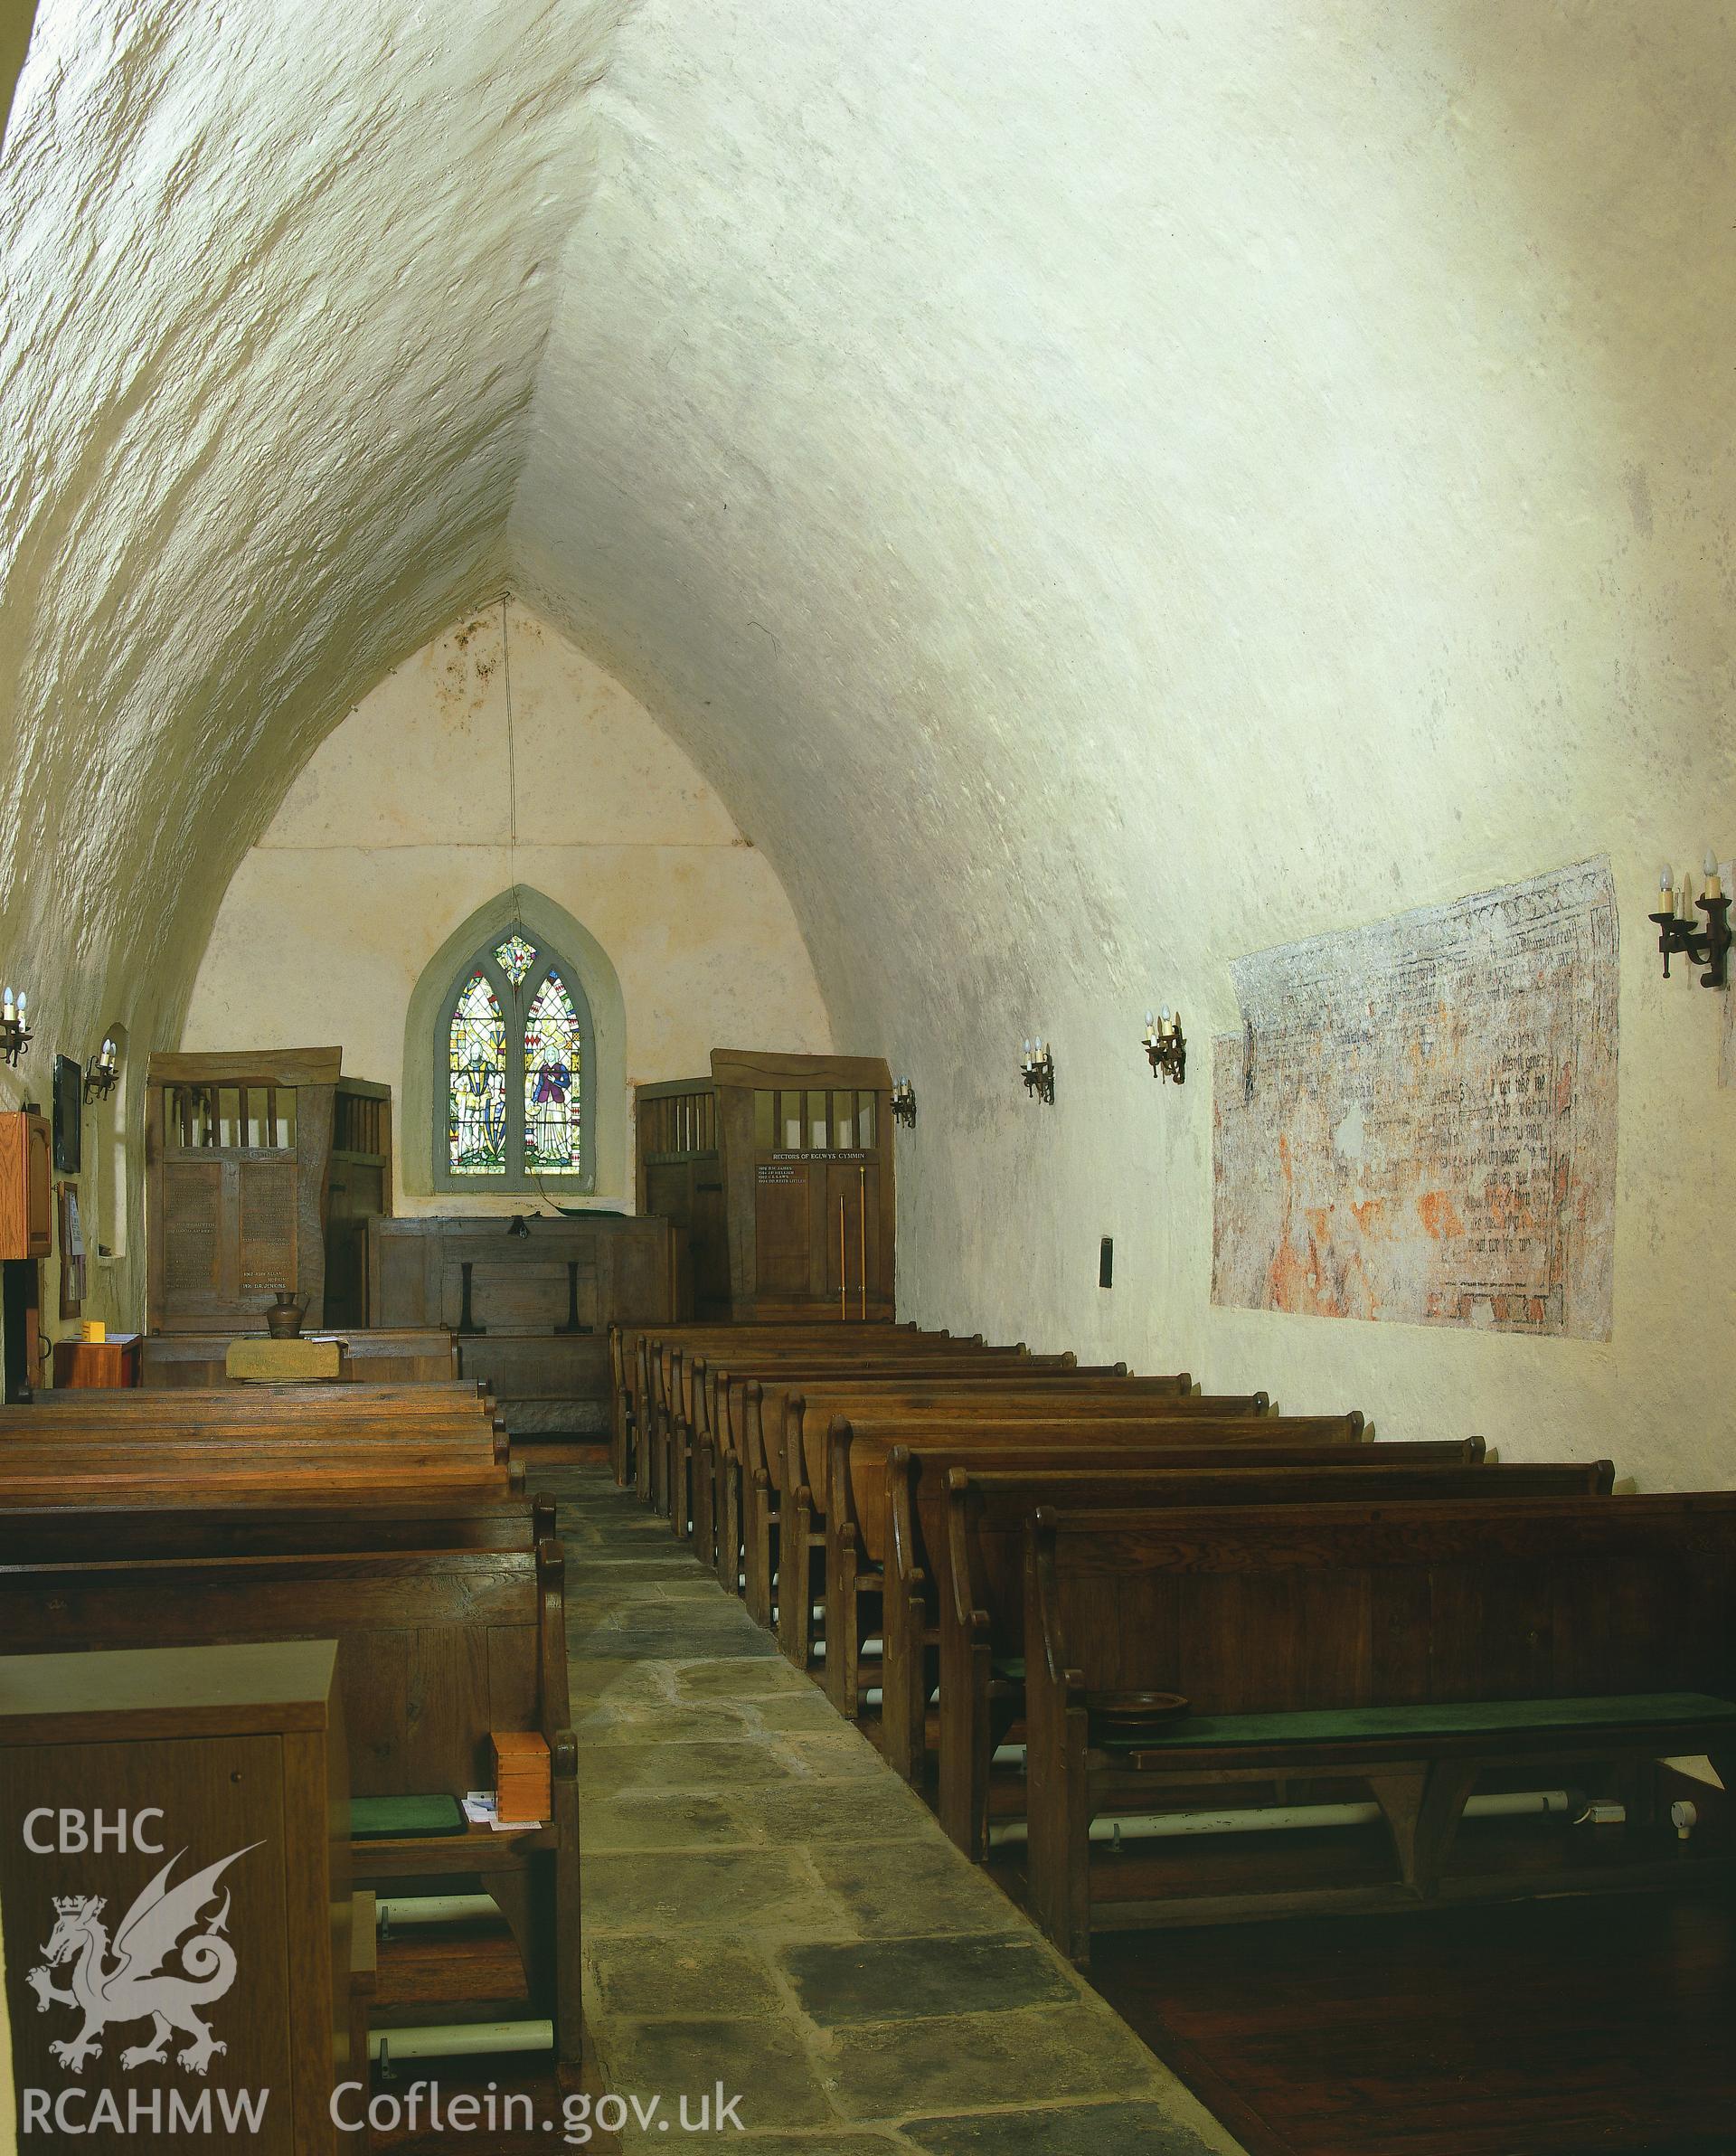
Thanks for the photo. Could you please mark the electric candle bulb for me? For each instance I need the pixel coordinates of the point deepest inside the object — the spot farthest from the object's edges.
(22, 999)
(1714, 888)
(9, 1008)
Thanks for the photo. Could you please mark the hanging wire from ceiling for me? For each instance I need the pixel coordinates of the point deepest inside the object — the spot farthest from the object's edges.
(511, 772)
(516, 990)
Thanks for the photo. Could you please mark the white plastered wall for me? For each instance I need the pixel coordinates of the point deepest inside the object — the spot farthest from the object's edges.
(1095, 490)
(402, 826)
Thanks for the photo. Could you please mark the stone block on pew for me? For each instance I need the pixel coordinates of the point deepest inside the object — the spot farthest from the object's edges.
(283, 1361)
(1407, 1649)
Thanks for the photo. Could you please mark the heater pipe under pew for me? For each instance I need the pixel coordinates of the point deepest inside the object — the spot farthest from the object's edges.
(389, 1914)
(1161, 1825)
(457, 2040)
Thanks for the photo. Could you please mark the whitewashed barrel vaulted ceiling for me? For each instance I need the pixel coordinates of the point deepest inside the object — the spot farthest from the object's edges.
(1100, 488)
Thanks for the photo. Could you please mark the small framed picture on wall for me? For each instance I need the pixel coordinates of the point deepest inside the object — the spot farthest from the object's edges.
(72, 1257)
(69, 1116)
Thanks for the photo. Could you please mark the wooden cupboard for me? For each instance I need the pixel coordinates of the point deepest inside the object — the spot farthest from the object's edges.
(27, 1185)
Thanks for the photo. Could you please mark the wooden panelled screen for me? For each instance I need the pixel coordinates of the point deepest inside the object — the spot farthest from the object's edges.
(779, 1168)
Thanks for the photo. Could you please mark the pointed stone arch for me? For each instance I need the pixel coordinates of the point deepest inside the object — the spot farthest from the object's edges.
(422, 1138)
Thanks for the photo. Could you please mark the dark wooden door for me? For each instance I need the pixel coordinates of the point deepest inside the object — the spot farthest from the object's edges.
(808, 1178)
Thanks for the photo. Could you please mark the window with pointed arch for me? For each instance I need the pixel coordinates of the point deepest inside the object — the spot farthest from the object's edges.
(512, 1052)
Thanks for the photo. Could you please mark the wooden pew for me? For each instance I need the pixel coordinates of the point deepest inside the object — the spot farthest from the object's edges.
(875, 1538)
(961, 1518)
(437, 1648)
(261, 1443)
(724, 1399)
(684, 1388)
(1406, 1650)
(263, 1398)
(788, 1482)
(629, 1346)
(370, 1354)
(763, 1443)
(863, 1528)
(372, 1517)
(649, 1361)
(456, 1425)
(279, 1407)
(159, 1487)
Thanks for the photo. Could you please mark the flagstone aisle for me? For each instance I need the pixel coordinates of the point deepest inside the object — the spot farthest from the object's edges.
(767, 1904)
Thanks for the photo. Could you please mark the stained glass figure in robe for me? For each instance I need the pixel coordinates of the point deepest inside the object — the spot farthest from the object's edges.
(552, 1072)
(476, 1096)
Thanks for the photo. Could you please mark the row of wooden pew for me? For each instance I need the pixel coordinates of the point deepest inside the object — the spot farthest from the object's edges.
(389, 1518)
(974, 1549)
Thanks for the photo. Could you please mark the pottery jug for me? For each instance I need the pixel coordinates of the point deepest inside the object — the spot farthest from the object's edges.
(283, 1320)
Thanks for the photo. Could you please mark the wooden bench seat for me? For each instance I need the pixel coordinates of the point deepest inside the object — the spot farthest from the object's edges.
(838, 1492)
(740, 1414)
(157, 1486)
(956, 1551)
(680, 1384)
(320, 1519)
(437, 1648)
(1303, 1616)
(346, 1397)
(874, 1529)
(776, 1419)
(685, 1403)
(630, 1347)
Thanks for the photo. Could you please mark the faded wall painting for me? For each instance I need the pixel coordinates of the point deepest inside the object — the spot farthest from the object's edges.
(1418, 1120)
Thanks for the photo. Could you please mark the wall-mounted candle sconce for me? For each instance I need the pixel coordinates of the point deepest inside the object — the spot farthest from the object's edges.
(14, 1035)
(1166, 1046)
(904, 1102)
(1037, 1068)
(101, 1073)
(1677, 930)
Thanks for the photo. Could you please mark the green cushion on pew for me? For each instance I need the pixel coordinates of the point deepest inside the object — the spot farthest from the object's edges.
(1010, 1667)
(376, 1819)
(1473, 1718)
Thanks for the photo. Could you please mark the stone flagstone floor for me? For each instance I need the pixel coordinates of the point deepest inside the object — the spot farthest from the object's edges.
(767, 1904)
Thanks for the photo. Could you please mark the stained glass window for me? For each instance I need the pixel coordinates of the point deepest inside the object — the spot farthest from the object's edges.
(516, 958)
(553, 1052)
(475, 1123)
(514, 1053)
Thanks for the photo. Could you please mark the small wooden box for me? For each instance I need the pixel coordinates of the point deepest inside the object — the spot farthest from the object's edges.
(522, 1781)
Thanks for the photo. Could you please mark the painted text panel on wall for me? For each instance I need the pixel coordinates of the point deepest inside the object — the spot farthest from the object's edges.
(1418, 1120)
